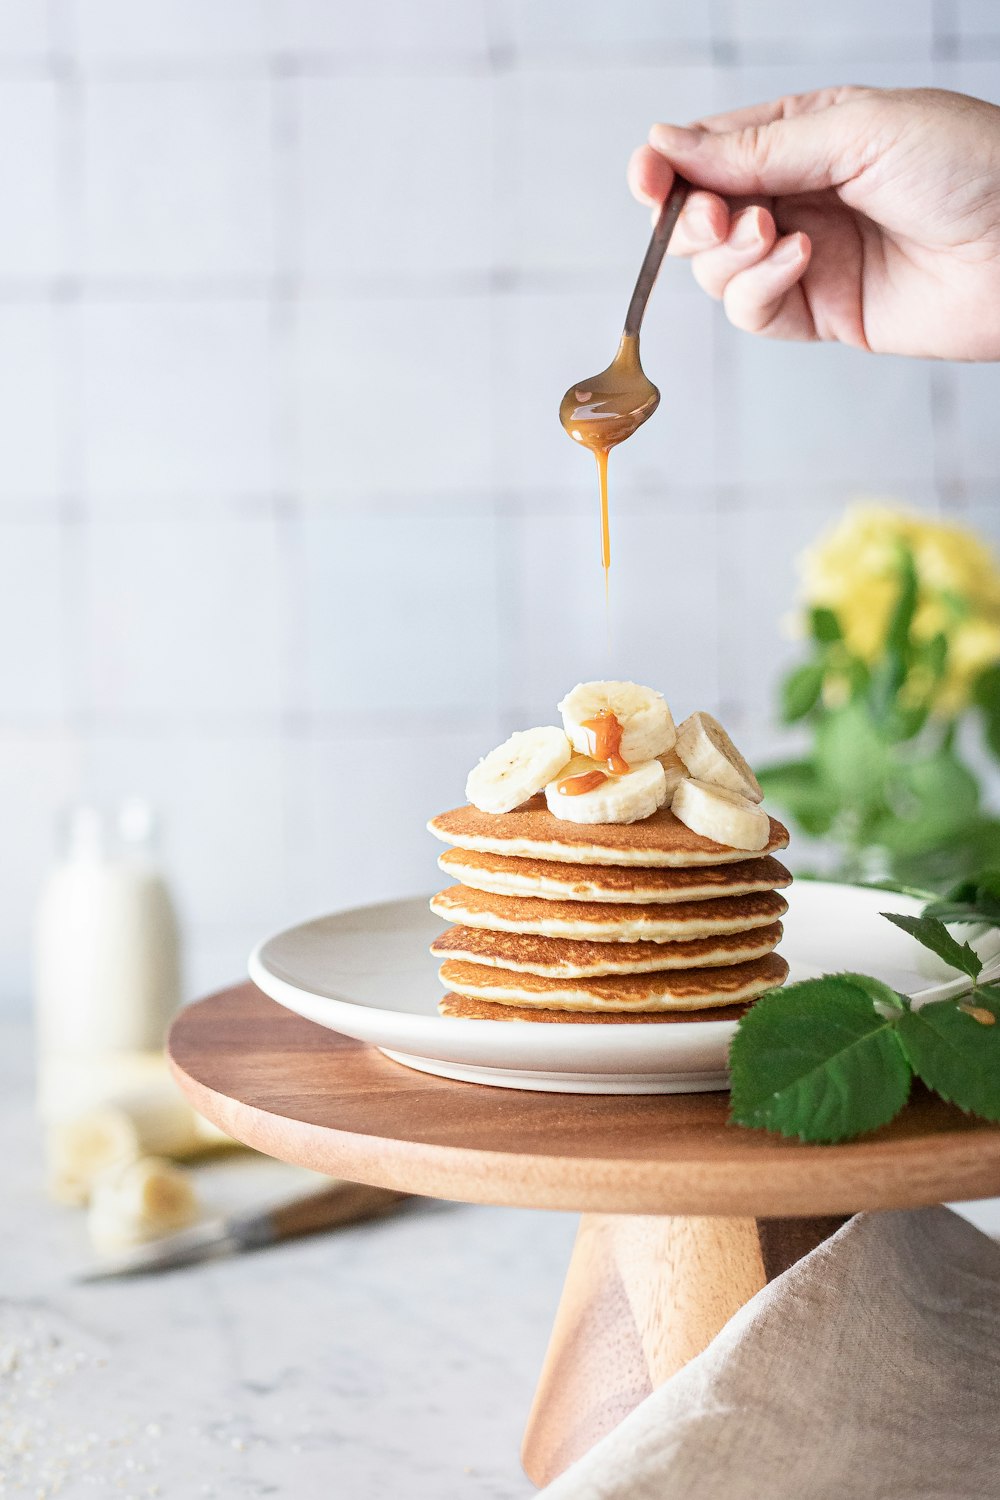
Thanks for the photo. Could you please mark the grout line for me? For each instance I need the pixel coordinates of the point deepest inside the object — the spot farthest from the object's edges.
(944, 30)
(288, 285)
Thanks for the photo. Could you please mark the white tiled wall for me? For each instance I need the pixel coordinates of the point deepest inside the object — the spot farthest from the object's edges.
(289, 291)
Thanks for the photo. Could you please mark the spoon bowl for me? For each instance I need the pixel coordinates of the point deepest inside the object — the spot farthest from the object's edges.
(605, 409)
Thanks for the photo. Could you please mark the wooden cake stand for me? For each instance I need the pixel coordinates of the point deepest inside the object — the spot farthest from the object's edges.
(684, 1216)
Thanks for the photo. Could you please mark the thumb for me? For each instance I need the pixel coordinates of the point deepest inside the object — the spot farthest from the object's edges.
(799, 154)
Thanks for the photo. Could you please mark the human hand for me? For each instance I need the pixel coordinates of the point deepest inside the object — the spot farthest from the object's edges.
(866, 216)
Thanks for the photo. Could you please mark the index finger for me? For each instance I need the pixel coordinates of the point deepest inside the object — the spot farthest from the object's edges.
(704, 219)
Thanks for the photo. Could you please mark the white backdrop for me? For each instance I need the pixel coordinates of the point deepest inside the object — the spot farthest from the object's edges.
(289, 533)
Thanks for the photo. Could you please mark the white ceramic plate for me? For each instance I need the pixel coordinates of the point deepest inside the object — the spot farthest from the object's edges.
(367, 973)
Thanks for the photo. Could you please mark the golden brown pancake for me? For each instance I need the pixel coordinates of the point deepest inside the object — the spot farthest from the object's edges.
(532, 832)
(484, 1010)
(562, 958)
(559, 881)
(605, 921)
(668, 989)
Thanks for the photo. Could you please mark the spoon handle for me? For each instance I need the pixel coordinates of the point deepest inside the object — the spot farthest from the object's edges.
(655, 251)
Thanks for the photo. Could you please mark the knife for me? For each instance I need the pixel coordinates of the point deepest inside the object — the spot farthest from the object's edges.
(339, 1203)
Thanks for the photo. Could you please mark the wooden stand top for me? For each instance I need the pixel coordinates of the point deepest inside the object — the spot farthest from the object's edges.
(296, 1091)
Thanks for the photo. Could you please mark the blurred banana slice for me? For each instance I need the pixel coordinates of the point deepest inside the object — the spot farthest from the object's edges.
(617, 799)
(646, 723)
(152, 1118)
(80, 1149)
(710, 755)
(674, 771)
(721, 815)
(139, 1200)
(517, 769)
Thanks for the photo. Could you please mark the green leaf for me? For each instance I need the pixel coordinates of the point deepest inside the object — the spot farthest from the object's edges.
(800, 691)
(901, 620)
(955, 1053)
(906, 723)
(817, 1060)
(825, 626)
(934, 935)
(797, 788)
(975, 847)
(895, 886)
(932, 801)
(986, 689)
(886, 1000)
(935, 654)
(889, 673)
(852, 758)
(986, 696)
(976, 900)
(859, 678)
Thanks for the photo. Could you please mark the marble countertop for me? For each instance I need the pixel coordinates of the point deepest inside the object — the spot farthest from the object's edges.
(382, 1360)
(388, 1359)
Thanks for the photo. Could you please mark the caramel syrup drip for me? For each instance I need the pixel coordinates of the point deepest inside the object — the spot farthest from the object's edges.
(606, 411)
(607, 734)
(601, 454)
(575, 786)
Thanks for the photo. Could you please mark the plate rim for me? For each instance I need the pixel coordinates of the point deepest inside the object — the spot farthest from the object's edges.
(257, 967)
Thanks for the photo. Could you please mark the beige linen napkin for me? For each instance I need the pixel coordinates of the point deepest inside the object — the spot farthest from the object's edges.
(869, 1369)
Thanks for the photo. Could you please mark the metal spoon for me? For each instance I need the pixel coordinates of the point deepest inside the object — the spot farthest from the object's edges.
(605, 409)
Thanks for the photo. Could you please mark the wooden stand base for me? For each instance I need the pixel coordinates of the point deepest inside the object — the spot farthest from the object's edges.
(642, 1297)
(644, 1294)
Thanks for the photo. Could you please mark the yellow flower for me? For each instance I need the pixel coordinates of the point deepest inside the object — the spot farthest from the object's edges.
(854, 570)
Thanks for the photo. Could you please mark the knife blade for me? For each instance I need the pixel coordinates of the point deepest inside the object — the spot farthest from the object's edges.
(338, 1203)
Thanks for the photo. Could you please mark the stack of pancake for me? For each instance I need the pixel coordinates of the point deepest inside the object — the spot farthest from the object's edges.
(609, 922)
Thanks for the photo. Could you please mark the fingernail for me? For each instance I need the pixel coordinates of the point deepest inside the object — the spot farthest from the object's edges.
(746, 231)
(785, 253)
(698, 222)
(669, 138)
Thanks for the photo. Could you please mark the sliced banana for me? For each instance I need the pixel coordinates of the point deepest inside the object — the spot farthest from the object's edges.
(710, 755)
(618, 799)
(139, 1201)
(674, 770)
(721, 815)
(80, 1149)
(517, 769)
(646, 723)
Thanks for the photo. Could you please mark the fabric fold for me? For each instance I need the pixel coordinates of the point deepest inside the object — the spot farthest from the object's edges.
(869, 1369)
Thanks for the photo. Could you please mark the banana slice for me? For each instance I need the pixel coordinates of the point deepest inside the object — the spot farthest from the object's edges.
(647, 729)
(710, 755)
(617, 799)
(517, 769)
(674, 770)
(80, 1149)
(722, 815)
(139, 1201)
(138, 1083)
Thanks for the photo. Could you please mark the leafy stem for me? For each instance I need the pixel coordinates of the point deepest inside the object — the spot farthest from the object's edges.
(832, 1058)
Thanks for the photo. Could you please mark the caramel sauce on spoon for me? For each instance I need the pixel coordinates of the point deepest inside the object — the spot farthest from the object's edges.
(605, 409)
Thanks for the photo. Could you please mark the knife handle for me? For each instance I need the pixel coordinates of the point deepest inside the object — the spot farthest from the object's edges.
(340, 1203)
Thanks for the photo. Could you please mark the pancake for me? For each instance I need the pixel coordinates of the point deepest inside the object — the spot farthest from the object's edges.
(562, 958)
(532, 832)
(552, 879)
(604, 921)
(671, 989)
(485, 1010)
